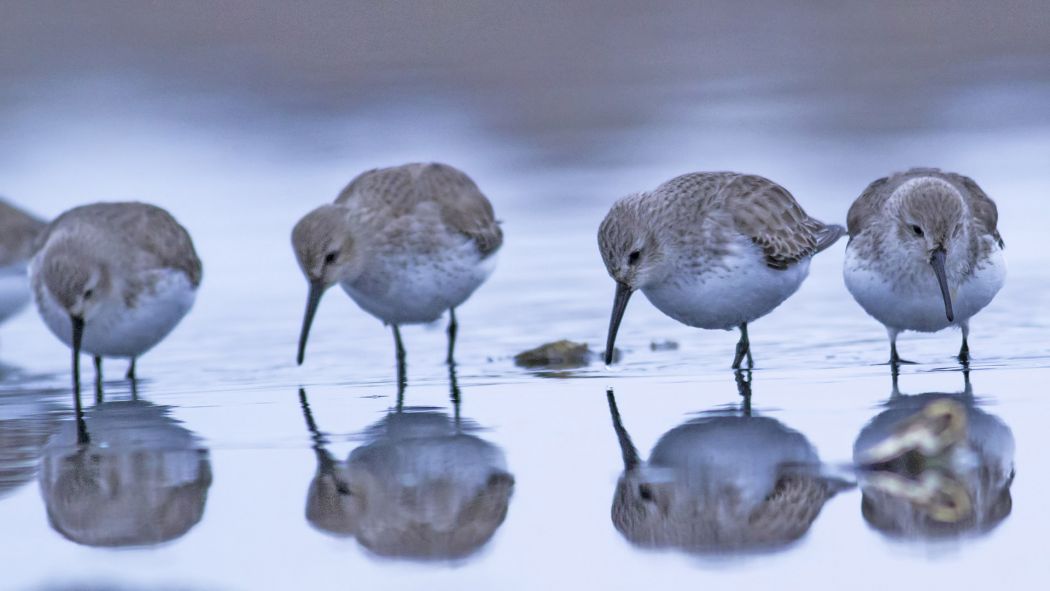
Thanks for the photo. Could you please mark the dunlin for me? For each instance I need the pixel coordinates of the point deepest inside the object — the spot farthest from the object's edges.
(18, 234)
(406, 243)
(924, 253)
(113, 279)
(712, 250)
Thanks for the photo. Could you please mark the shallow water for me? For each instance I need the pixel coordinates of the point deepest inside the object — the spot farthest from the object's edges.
(231, 469)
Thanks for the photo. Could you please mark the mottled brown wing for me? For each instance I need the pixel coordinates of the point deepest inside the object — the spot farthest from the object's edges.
(390, 190)
(770, 216)
(398, 190)
(868, 205)
(141, 226)
(985, 213)
(463, 206)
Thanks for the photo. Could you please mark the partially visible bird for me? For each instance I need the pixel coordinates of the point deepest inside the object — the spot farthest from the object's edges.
(713, 250)
(113, 279)
(924, 253)
(407, 243)
(18, 234)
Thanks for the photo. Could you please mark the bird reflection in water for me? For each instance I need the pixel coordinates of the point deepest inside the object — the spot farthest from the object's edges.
(935, 466)
(124, 474)
(421, 487)
(725, 482)
(26, 418)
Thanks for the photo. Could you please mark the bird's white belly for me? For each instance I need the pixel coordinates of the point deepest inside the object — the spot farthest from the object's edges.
(116, 330)
(14, 290)
(408, 289)
(726, 297)
(916, 303)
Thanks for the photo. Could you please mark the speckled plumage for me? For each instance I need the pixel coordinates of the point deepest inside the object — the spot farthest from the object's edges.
(407, 243)
(388, 202)
(129, 234)
(898, 225)
(126, 272)
(712, 250)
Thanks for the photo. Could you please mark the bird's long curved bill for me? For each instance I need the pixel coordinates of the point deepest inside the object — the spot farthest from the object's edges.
(312, 300)
(937, 261)
(78, 337)
(623, 294)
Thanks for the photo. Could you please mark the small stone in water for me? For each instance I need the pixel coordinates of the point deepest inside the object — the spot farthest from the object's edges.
(665, 345)
(559, 354)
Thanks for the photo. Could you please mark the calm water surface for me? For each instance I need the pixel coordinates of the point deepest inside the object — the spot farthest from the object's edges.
(231, 468)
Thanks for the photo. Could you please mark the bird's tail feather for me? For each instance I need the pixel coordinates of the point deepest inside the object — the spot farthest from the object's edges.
(828, 235)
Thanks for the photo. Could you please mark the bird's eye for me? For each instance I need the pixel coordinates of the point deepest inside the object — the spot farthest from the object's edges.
(646, 492)
(632, 258)
(330, 258)
(88, 294)
(916, 230)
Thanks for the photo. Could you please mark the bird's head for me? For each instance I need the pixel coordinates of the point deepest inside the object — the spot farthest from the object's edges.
(327, 253)
(633, 257)
(78, 282)
(931, 225)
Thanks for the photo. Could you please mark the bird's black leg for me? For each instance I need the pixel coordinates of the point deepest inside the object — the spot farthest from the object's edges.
(964, 351)
(743, 349)
(402, 380)
(131, 370)
(895, 359)
(453, 327)
(98, 378)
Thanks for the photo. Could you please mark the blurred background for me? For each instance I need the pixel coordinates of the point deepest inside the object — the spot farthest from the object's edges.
(241, 116)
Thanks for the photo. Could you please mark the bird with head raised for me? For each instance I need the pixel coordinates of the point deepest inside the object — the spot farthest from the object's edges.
(713, 250)
(406, 243)
(924, 253)
(113, 279)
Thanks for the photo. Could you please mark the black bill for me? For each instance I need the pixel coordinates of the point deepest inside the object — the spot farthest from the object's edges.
(937, 261)
(623, 294)
(312, 300)
(78, 337)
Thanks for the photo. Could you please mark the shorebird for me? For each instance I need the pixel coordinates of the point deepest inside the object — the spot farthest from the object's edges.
(406, 243)
(924, 253)
(713, 250)
(18, 234)
(113, 279)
